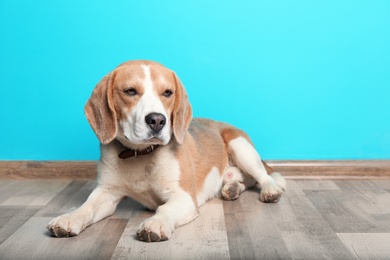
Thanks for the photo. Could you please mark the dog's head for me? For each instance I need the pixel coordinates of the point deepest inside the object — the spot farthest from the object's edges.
(140, 103)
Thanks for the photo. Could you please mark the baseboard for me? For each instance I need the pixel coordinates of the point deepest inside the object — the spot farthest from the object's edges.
(378, 169)
(337, 169)
(48, 169)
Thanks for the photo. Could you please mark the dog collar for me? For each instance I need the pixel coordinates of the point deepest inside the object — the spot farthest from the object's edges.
(134, 153)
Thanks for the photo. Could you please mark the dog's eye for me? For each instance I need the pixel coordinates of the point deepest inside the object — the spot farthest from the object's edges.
(167, 93)
(131, 91)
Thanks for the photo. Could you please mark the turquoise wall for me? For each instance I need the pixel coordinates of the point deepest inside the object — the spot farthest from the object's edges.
(306, 79)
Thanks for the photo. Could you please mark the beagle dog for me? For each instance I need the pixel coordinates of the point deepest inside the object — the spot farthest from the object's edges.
(154, 152)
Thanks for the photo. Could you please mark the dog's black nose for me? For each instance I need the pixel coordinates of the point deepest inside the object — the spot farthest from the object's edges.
(156, 121)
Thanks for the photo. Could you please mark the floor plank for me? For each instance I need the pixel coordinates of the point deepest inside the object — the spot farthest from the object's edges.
(310, 184)
(306, 233)
(34, 192)
(31, 241)
(358, 206)
(11, 218)
(203, 238)
(252, 232)
(68, 199)
(384, 184)
(315, 219)
(367, 245)
(8, 188)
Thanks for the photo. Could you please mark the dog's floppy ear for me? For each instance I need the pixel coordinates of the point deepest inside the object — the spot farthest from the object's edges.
(182, 112)
(100, 111)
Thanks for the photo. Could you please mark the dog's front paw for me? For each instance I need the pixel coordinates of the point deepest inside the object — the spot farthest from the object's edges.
(154, 229)
(271, 192)
(65, 226)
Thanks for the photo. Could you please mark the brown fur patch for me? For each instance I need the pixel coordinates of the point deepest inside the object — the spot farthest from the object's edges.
(230, 133)
(100, 111)
(202, 149)
(182, 111)
(124, 103)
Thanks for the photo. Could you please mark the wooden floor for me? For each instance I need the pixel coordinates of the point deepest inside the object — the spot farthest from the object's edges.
(315, 219)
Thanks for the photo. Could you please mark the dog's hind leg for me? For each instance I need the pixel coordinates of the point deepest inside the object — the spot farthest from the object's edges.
(243, 155)
(235, 182)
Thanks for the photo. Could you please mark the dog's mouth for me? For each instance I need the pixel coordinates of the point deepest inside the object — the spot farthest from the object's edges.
(151, 140)
(154, 140)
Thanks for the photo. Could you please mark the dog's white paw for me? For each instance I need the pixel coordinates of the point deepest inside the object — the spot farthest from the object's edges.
(271, 192)
(155, 229)
(65, 226)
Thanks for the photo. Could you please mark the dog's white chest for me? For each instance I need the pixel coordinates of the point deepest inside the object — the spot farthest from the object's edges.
(149, 179)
